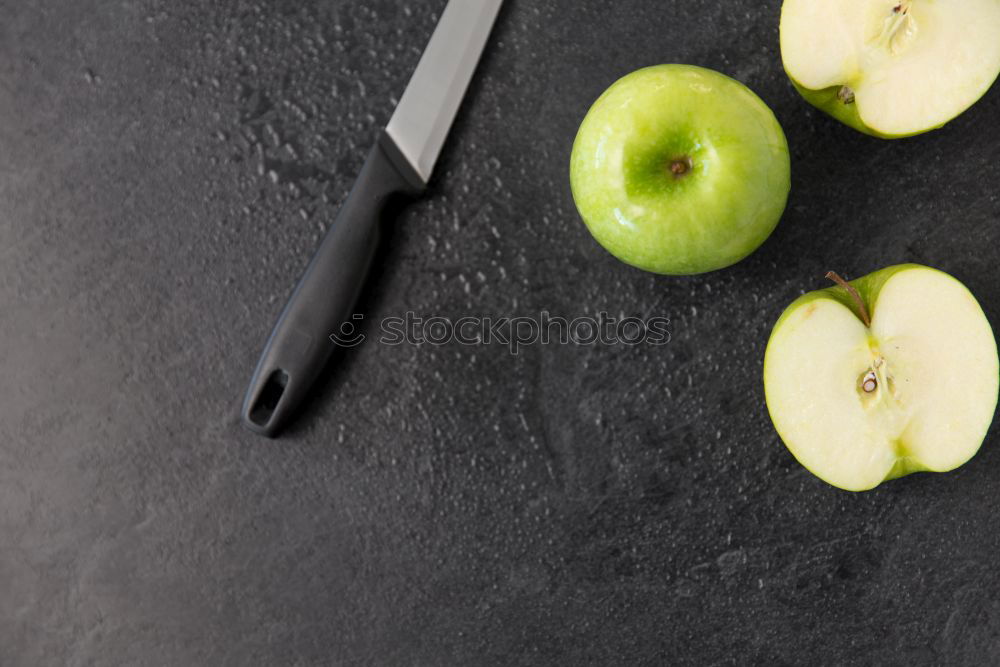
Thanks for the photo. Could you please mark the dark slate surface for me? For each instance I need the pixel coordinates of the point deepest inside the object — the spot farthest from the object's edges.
(166, 169)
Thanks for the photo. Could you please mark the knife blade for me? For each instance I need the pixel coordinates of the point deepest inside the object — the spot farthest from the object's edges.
(431, 100)
(401, 163)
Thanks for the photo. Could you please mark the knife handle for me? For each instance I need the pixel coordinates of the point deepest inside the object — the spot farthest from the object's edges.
(301, 342)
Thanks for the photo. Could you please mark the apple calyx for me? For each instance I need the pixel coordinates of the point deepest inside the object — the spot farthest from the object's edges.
(680, 166)
(845, 95)
(854, 296)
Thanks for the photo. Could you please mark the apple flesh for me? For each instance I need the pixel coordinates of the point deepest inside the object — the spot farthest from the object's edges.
(891, 68)
(892, 374)
(680, 170)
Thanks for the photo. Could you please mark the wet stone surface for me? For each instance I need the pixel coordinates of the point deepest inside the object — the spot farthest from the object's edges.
(166, 169)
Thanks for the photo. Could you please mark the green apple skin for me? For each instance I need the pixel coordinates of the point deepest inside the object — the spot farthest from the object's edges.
(826, 100)
(869, 288)
(732, 191)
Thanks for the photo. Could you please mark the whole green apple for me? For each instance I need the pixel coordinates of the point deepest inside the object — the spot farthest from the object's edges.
(888, 375)
(891, 68)
(680, 170)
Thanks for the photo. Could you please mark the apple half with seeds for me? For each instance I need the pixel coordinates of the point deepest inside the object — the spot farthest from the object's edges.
(888, 375)
(891, 68)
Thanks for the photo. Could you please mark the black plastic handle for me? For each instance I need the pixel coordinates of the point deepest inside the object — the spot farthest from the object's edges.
(301, 343)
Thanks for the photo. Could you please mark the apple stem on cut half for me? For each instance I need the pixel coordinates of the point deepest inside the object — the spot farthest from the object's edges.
(871, 380)
(854, 295)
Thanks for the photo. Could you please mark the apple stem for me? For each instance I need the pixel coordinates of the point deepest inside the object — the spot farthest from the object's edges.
(680, 166)
(854, 295)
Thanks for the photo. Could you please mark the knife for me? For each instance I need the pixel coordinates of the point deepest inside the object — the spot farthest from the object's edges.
(400, 163)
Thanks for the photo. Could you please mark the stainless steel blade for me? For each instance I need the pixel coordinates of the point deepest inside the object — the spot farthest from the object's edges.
(427, 109)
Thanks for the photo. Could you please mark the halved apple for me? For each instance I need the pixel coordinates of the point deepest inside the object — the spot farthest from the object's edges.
(891, 68)
(892, 374)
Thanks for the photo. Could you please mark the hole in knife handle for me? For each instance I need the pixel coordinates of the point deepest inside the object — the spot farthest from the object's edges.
(268, 398)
